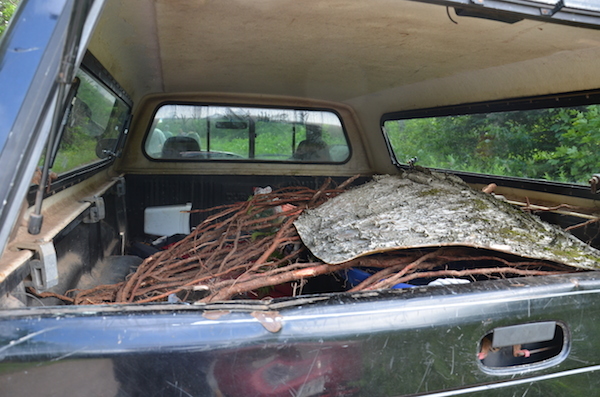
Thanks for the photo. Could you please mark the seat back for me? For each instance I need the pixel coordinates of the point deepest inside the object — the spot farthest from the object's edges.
(176, 145)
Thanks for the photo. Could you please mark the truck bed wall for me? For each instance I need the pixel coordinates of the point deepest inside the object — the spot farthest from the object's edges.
(203, 191)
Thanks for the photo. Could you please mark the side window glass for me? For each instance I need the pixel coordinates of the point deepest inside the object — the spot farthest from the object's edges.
(197, 132)
(97, 118)
(556, 144)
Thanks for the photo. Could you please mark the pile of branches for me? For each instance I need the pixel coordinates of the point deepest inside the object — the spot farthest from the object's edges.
(243, 247)
(238, 248)
(403, 266)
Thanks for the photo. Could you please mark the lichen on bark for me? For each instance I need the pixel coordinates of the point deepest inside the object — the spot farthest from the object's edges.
(428, 209)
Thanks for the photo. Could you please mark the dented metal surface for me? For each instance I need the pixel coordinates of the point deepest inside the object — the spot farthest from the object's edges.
(428, 209)
(271, 320)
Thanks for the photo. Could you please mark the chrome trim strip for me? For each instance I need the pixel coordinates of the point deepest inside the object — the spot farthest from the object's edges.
(517, 382)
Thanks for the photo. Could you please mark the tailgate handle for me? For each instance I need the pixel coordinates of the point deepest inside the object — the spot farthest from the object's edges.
(523, 333)
(523, 344)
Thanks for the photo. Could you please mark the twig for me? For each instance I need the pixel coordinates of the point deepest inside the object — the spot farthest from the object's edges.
(582, 224)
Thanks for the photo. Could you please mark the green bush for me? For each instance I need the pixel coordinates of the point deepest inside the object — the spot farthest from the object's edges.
(556, 144)
(7, 9)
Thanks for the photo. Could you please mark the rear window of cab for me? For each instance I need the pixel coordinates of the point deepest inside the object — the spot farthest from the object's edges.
(190, 132)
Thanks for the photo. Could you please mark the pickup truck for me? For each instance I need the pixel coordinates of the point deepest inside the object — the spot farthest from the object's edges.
(125, 126)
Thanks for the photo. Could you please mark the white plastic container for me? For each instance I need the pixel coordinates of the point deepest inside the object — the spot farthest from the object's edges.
(167, 220)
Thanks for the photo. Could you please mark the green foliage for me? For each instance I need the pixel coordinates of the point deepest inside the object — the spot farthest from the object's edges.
(7, 9)
(555, 144)
(274, 140)
(95, 115)
(72, 156)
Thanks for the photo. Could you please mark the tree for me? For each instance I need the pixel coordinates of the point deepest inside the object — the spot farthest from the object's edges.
(7, 9)
(559, 144)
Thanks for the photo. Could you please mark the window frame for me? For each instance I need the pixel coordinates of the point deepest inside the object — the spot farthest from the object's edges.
(94, 69)
(561, 100)
(580, 13)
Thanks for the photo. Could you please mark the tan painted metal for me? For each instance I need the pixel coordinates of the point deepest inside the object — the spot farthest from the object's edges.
(59, 211)
(376, 56)
(134, 161)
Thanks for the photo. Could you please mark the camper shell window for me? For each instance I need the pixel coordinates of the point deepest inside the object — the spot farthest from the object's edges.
(550, 138)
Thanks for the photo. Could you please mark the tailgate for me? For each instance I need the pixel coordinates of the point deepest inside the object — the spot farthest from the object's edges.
(400, 342)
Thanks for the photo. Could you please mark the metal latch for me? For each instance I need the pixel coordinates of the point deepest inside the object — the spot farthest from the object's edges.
(524, 333)
(595, 183)
(120, 186)
(44, 269)
(535, 345)
(97, 210)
